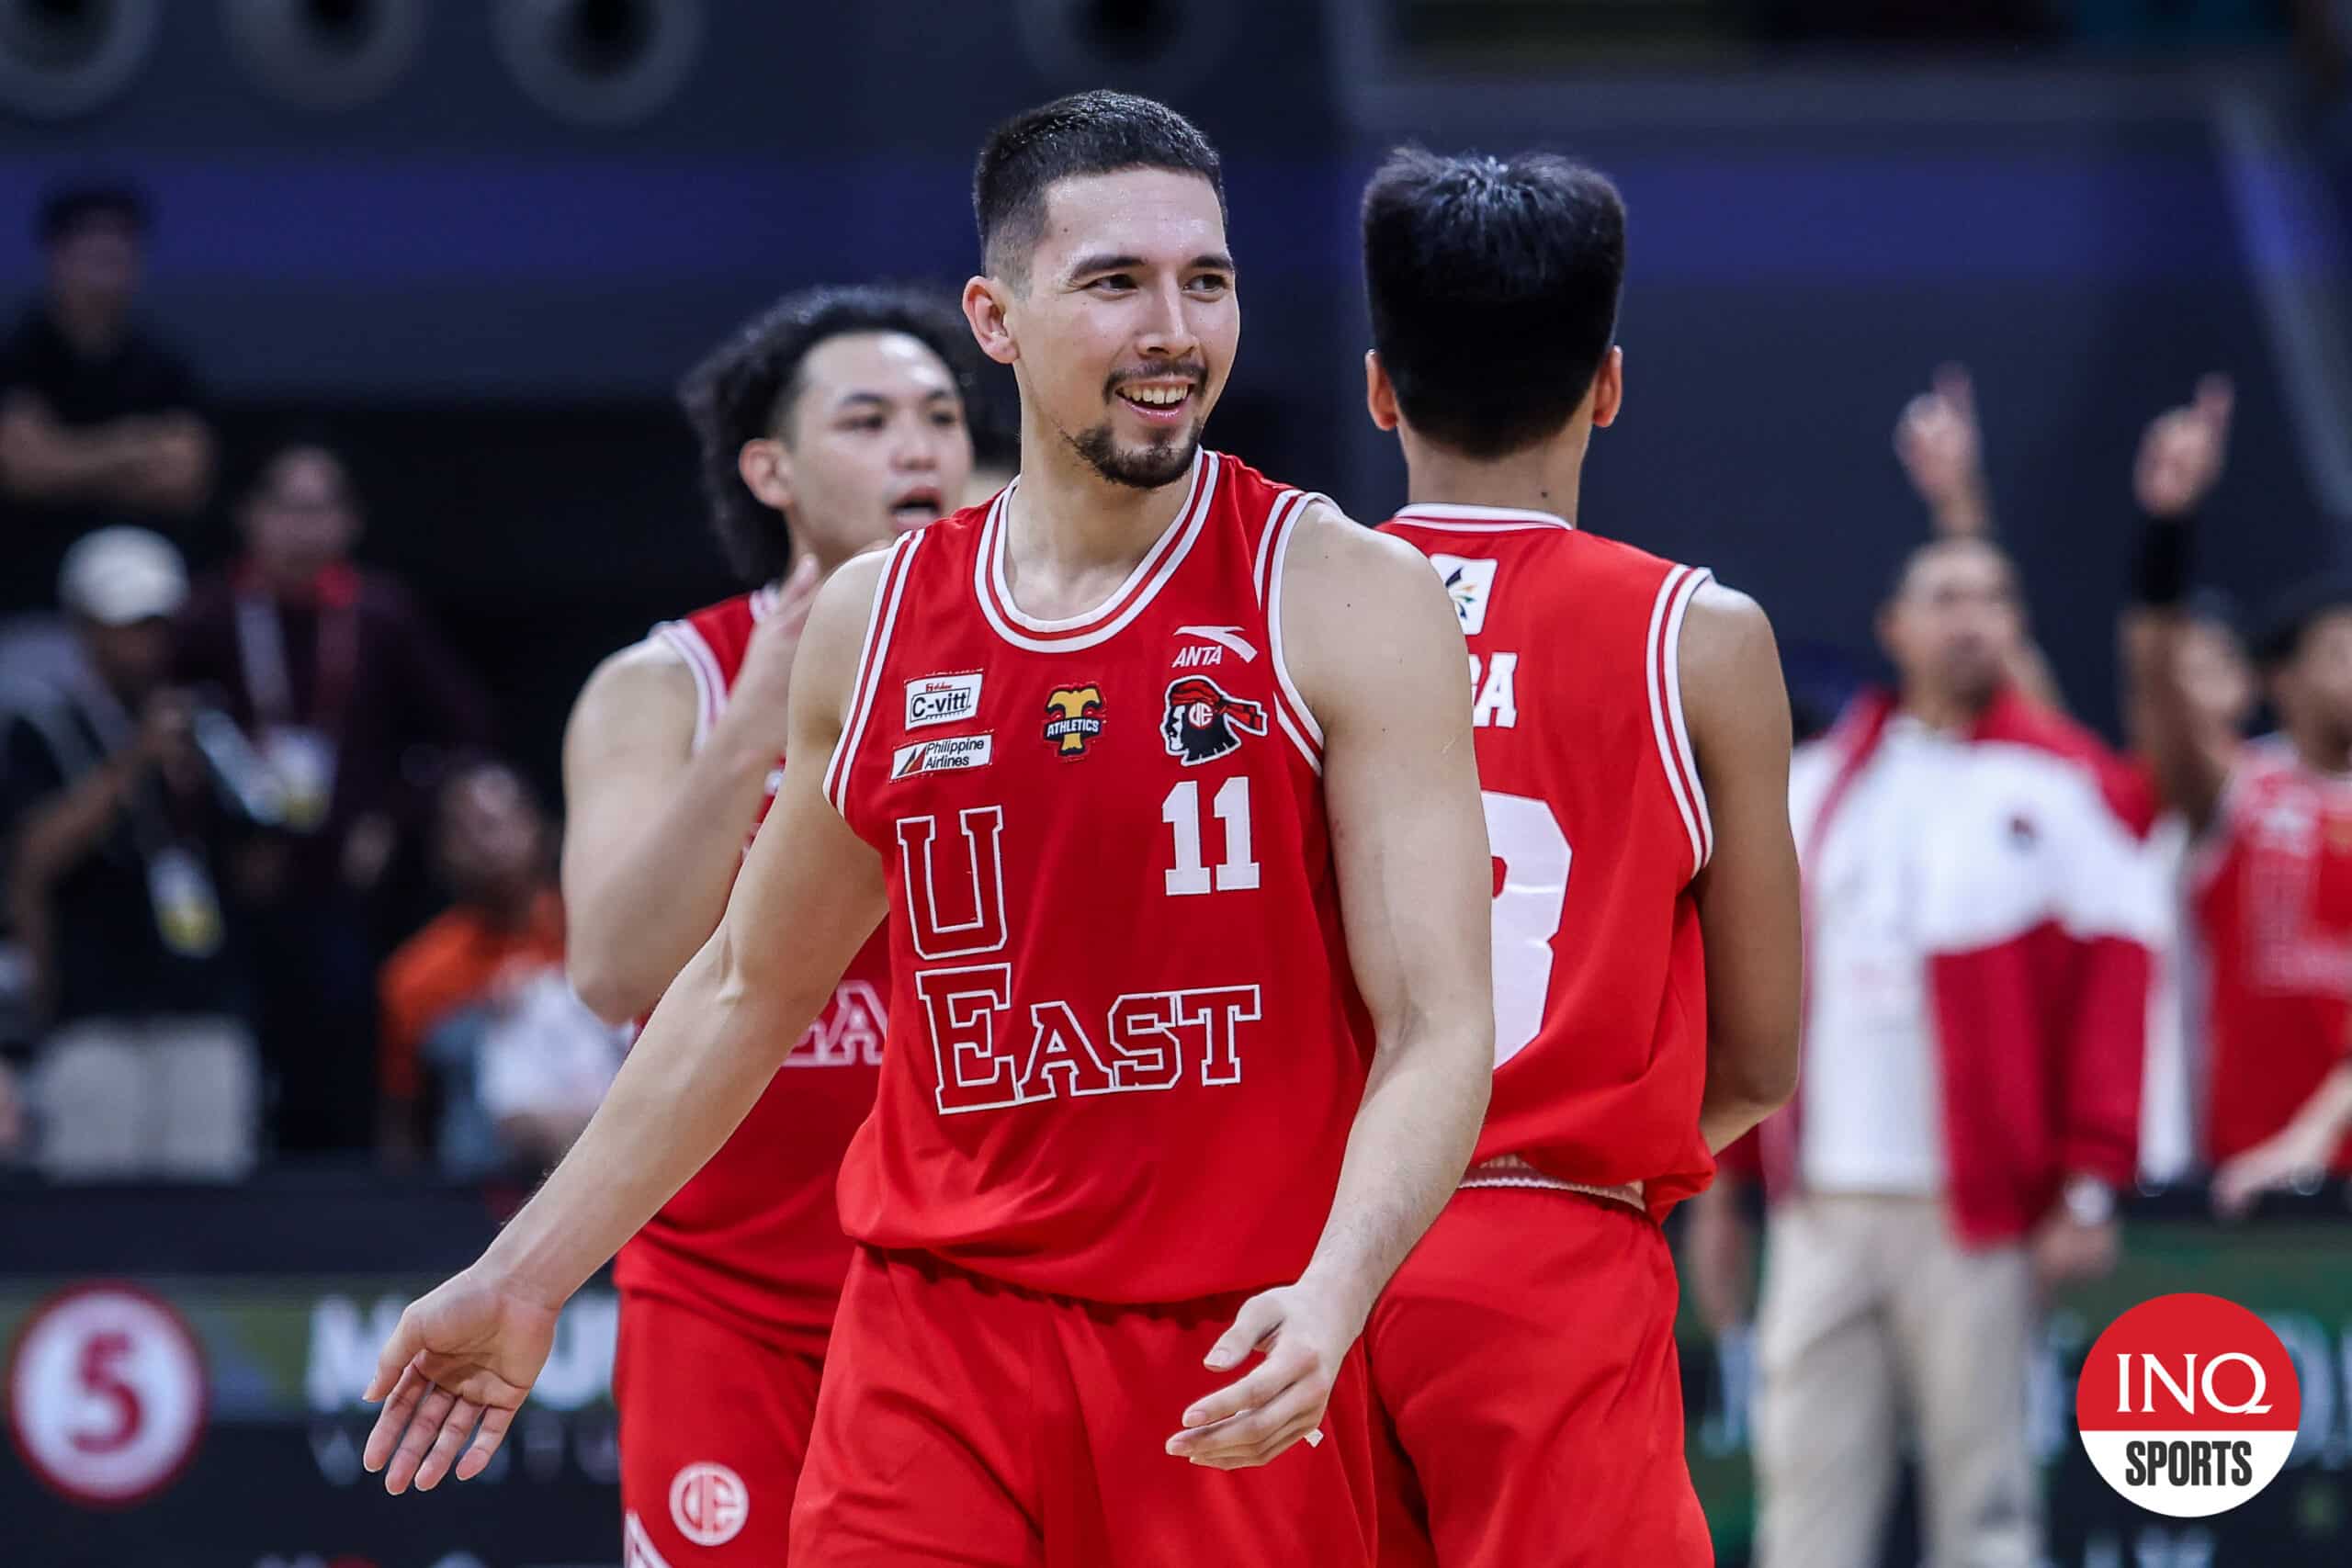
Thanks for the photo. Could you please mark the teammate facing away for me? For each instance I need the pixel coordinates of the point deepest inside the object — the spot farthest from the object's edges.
(1187, 1042)
(828, 424)
(1632, 740)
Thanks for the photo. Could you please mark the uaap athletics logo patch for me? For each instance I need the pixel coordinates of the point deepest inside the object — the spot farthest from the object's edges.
(1201, 720)
(2188, 1404)
(1073, 718)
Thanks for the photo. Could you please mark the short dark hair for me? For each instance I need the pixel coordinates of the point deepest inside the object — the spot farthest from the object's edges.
(66, 208)
(2293, 613)
(1493, 284)
(746, 387)
(1087, 133)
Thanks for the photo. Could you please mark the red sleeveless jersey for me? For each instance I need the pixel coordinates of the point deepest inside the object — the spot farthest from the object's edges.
(1125, 1049)
(2272, 890)
(756, 1237)
(1598, 824)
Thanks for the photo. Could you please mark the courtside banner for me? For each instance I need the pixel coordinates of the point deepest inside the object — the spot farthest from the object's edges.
(2188, 1405)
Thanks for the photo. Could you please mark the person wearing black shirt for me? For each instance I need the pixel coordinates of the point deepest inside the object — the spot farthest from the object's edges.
(149, 1068)
(351, 701)
(99, 420)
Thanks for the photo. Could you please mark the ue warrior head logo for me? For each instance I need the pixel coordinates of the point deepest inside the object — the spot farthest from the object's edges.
(1201, 719)
(1073, 718)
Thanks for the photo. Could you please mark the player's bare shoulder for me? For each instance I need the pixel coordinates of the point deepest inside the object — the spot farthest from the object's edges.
(643, 694)
(1365, 619)
(1730, 674)
(826, 668)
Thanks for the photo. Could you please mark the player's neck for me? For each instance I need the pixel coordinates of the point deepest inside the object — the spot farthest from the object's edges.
(1542, 479)
(1067, 518)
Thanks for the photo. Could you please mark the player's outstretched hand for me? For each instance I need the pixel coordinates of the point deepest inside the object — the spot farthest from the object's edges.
(1305, 1333)
(464, 1356)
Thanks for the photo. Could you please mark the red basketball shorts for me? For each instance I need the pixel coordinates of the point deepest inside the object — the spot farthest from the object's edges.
(1523, 1367)
(966, 1422)
(714, 1426)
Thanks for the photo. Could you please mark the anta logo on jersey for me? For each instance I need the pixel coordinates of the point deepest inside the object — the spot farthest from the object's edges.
(941, 699)
(1469, 582)
(1073, 718)
(1211, 648)
(1201, 719)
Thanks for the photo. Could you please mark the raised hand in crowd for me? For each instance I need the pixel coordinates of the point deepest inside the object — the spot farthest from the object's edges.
(2183, 450)
(1941, 447)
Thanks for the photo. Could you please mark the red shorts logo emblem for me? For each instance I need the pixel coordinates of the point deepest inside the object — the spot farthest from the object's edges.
(708, 1504)
(106, 1396)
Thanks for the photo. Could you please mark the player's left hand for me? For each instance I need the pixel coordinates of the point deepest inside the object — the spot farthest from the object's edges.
(1305, 1331)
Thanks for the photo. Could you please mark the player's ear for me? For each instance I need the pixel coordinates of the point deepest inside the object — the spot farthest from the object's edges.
(1609, 389)
(1379, 391)
(984, 308)
(766, 469)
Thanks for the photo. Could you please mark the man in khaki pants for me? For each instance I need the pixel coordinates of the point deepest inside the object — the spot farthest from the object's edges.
(1978, 909)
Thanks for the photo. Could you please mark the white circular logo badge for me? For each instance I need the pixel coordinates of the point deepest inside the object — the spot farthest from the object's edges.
(2188, 1405)
(708, 1503)
(106, 1394)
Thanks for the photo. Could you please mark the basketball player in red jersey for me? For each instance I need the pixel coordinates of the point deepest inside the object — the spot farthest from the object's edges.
(1632, 739)
(2270, 864)
(828, 424)
(1190, 1033)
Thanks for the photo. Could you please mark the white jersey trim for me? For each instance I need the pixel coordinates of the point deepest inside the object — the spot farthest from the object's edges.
(879, 623)
(1106, 619)
(1480, 519)
(1297, 720)
(710, 685)
(1662, 663)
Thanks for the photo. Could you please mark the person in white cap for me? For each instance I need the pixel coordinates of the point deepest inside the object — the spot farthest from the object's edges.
(148, 1067)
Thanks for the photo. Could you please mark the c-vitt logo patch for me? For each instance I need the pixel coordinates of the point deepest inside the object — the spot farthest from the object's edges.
(942, 699)
(2188, 1405)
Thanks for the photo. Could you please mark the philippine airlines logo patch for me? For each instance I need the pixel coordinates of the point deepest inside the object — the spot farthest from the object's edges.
(2188, 1405)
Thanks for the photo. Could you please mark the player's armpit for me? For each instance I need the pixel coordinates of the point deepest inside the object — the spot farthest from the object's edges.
(809, 893)
(1738, 708)
(1376, 649)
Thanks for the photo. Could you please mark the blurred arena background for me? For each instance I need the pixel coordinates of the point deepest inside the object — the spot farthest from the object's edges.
(458, 255)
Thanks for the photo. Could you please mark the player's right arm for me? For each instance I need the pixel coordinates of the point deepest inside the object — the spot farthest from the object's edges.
(810, 893)
(1737, 709)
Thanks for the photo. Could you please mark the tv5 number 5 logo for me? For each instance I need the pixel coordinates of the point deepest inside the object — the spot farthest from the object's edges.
(106, 1394)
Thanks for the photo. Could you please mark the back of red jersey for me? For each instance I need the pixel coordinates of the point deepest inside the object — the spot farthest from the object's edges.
(1126, 1048)
(756, 1234)
(2272, 891)
(1598, 824)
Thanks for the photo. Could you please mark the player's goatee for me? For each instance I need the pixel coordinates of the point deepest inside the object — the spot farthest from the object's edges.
(1162, 463)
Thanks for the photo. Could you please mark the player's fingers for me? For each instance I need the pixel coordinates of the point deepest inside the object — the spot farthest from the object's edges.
(2216, 394)
(422, 1428)
(456, 1428)
(494, 1422)
(1304, 1398)
(402, 1348)
(1262, 1387)
(392, 1420)
(1954, 384)
(1252, 1325)
(1266, 1452)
